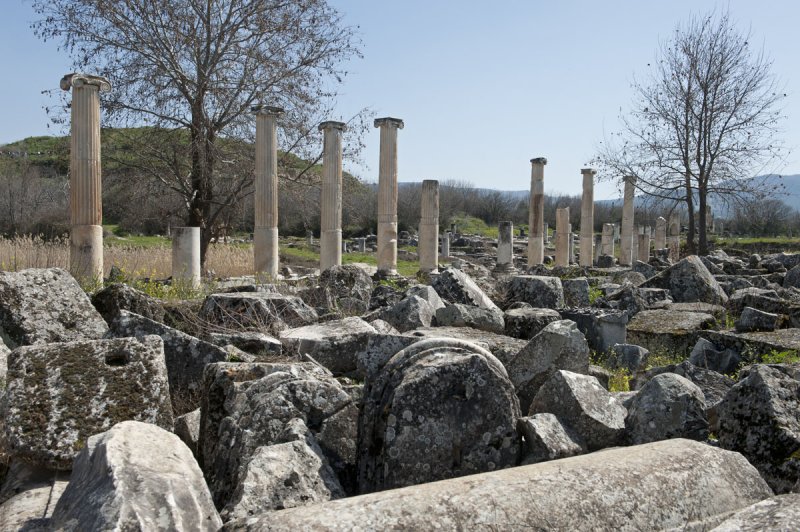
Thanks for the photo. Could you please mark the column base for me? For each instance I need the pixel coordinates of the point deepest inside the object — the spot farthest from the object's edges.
(504, 269)
(86, 253)
(265, 252)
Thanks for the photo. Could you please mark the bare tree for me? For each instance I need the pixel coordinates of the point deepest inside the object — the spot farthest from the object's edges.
(198, 66)
(703, 123)
(765, 217)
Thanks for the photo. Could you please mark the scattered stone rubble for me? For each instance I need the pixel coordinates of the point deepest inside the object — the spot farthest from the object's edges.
(338, 404)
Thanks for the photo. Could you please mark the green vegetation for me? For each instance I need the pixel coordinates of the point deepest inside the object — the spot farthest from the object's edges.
(594, 294)
(657, 360)
(120, 237)
(779, 357)
(620, 380)
(309, 257)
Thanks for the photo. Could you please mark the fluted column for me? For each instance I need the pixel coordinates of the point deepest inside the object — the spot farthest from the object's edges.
(608, 239)
(330, 238)
(387, 195)
(446, 245)
(265, 235)
(428, 249)
(85, 183)
(536, 213)
(562, 236)
(587, 216)
(661, 233)
(186, 256)
(674, 239)
(644, 244)
(626, 231)
(505, 248)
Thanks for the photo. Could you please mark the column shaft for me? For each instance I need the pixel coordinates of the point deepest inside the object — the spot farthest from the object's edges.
(674, 239)
(626, 231)
(536, 213)
(387, 194)
(330, 240)
(608, 239)
(587, 217)
(186, 256)
(428, 249)
(661, 233)
(265, 237)
(562, 236)
(505, 248)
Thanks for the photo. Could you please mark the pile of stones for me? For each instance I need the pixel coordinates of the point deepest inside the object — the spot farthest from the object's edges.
(339, 402)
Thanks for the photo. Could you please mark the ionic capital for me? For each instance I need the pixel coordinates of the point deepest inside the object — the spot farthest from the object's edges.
(389, 121)
(331, 124)
(590, 171)
(78, 79)
(268, 110)
(539, 160)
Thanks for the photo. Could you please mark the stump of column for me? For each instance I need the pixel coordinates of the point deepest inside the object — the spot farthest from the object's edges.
(387, 195)
(661, 233)
(186, 256)
(428, 247)
(608, 239)
(587, 217)
(626, 231)
(505, 248)
(330, 238)
(265, 233)
(446, 245)
(644, 244)
(86, 190)
(546, 233)
(571, 255)
(674, 239)
(361, 245)
(598, 246)
(562, 236)
(536, 226)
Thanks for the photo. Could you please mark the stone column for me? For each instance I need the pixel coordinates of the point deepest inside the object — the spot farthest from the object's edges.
(265, 235)
(428, 249)
(446, 245)
(546, 233)
(361, 245)
(505, 248)
(330, 238)
(661, 233)
(571, 254)
(587, 216)
(608, 239)
(536, 213)
(85, 183)
(644, 244)
(598, 246)
(387, 195)
(626, 231)
(562, 236)
(186, 256)
(674, 238)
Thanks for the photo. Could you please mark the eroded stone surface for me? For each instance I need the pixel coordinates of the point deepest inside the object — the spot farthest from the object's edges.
(259, 311)
(409, 313)
(136, 476)
(440, 408)
(40, 306)
(334, 344)
(547, 438)
(657, 486)
(527, 322)
(60, 394)
(781, 512)
(538, 291)
(667, 331)
(668, 406)
(458, 315)
(688, 281)
(455, 286)
(119, 296)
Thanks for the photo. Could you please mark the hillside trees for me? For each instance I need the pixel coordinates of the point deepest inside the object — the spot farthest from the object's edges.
(197, 66)
(703, 122)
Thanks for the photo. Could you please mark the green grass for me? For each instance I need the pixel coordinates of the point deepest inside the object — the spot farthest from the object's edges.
(758, 240)
(779, 357)
(309, 257)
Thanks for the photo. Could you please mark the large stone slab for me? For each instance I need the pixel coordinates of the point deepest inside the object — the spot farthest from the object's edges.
(45, 306)
(259, 311)
(781, 512)
(504, 348)
(61, 394)
(538, 291)
(667, 331)
(657, 486)
(334, 344)
(136, 476)
(688, 281)
(118, 296)
(455, 286)
(439, 408)
(752, 345)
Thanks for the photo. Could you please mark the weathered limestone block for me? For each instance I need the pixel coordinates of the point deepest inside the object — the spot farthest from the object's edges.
(186, 356)
(32, 500)
(657, 486)
(136, 476)
(427, 293)
(455, 286)
(576, 292)
(537, 291)
(760, 418)
(504, 348)
(458, 315)
(781, 512)
(60, 394)
(706, 355)
(284, 475)
(440, 408)
(409, 313)
(45, 306)
(334, 344)
(689, 281)
(758, 298)
(247, 406)
(527, 322)
(560, 346)
(118, 296)
(547, 438)
(602, 328)
(668, 331)
(584, 405)
(349, 287)
(668, 406)
(255, 343)
(757, 320)
(187, 428)
(260, 311)
(628, 356)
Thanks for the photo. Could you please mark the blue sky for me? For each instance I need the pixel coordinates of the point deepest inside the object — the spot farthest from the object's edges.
(482, 86)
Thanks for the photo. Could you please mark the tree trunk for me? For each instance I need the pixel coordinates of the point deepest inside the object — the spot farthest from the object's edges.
(202, 149)
(702, 247)
(691, 249)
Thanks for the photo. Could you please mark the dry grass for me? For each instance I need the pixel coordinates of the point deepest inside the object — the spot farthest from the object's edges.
(23, 252)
